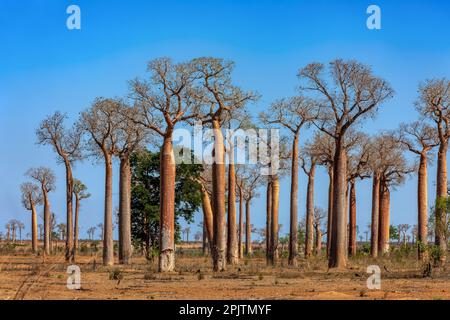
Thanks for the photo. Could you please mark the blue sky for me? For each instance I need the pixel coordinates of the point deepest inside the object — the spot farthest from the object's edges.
(46, 67)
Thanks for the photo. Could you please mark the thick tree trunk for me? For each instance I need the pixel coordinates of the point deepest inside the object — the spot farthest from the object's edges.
(218, 175)
(338, 252)
(352, 220)
(108, 242)
(330, 208)
(69, 254)
(167, 206)
(125, 247)
(309, 235)
(383, 234)
(422, 205)
(274, 222)
(232, 241)
(207, 217)
(268, 220)
(34, 227)
(248, 229)
(47, 224)
(441, 193)
(241, 223)
(76, 228)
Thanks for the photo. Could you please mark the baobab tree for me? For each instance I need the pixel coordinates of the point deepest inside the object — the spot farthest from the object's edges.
(309, 157)
(132, 136)
(32, 197)
(419, 138)
(292, 114)
(403, 230)
(80, 193)
(434, 103)
(91, 232)
(319, 215)
(344, 95)
(67, 144)
(13, 224)
(358, 149)
(61, 227)
(20, 226)
(161, 103)
(218, 96)
(389, 163)
(235, 121)
(325, 149)
(8, 231)
(46, 179)
(102, 123)
(250, 180)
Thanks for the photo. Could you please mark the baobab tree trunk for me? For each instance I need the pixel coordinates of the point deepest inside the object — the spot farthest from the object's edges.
(69, 254)
(232, 249)
(204, 240)
(248, 229)
(330, 208)
(309, 236)
(293, 230)
(383, 235)
(218, 184)
(108, 243)
(375, 215)
(207, 217)
(441, 193)
(352, 220)
(268, 220)
(338, 252)
(47, 224)
(34, 229)
(318, 245)
(125, 248)
(274, 223)
(167, 206)
(76, 227)
(422, 205)
(241, 223)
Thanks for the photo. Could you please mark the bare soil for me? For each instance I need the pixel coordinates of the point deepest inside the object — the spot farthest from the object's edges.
(24, 276)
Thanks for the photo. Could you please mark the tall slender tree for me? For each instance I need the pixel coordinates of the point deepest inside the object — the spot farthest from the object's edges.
(67, 144)
(132, 136)
(359, 149)
(434, 103)
(32, 197)
(345, 95)
(419, 138)
(219, 96)
(79, 192)
(46, 179)
(292, 114)
(102, 124)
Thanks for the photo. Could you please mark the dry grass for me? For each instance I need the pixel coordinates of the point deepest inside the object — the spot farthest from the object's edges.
(24, 276)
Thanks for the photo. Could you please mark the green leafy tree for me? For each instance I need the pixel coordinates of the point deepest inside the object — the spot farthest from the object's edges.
(145, 189)
(393, 233)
